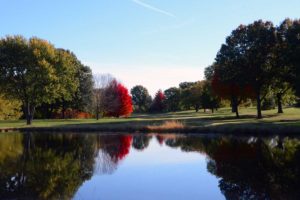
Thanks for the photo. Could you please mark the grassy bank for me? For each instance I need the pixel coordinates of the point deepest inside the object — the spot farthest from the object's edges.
(222, 121)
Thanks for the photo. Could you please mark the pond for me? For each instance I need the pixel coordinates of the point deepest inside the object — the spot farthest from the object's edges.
(139, 166)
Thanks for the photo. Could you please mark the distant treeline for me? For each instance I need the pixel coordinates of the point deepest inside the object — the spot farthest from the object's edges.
(189, 95)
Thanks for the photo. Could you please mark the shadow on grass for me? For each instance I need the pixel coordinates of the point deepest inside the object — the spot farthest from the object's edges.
(220, 122)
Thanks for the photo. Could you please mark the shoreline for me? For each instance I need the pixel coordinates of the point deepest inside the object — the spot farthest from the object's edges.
(240, 129)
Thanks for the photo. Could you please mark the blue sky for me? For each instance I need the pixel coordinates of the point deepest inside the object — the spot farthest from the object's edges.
(156, 43)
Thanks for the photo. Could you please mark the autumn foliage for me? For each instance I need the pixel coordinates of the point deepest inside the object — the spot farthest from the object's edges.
(227, 90)
(117, 101)
(72, 114)
(158, 104)
(118, 147)
(124, 148)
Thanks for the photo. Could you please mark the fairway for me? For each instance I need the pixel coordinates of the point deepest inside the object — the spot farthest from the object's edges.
(219, 121)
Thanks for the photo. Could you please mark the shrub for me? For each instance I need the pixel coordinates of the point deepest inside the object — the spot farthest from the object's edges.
(9, 109)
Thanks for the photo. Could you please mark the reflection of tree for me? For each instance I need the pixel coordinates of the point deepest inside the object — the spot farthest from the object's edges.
(160, 139)
(250, 168)
(141, 141)
(116, 146)
(49, 166)
(53, 166)
(10, 147)
(104, 163)
(113, 149)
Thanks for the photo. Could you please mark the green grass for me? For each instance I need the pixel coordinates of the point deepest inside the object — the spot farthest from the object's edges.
(221, 119)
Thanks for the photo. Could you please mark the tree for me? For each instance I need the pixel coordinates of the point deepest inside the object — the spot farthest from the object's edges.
(101, 81)
(208, 99)
(140, 98)
(196, 95)
(228, 85)
(246, 58)
(158, 103)
(83, 96)
(30, 72)
(258, 45)
(228, 78)
(289, 32)
(125, 101)
(77, 96)
(116, 100)
(281, 62)
(70, 93)
(185, 85)
(186, 94)
(172, 100)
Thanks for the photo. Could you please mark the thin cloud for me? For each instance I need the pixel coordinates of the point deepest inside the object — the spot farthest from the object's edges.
(170, 28)
(153, 8)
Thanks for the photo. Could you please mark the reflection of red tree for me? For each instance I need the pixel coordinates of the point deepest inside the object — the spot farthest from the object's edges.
(117, 147)
(160, 139)
(125, 143)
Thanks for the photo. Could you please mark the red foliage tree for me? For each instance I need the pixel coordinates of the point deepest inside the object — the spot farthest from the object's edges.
(117, 101)
(125, 108)
(158, 104)
(232, 91)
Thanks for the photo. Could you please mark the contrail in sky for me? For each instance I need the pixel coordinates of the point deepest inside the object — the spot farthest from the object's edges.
(153, 8)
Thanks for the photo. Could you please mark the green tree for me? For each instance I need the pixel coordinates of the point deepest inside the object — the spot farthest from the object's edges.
(172, 99)
(186, 94)
(196, 92)
(208, 99)
(34, 72)
(83, 96)
(281, 61)
(227, 73)
(249, 58)
(141, 98)
(258, 45)
(289, 32)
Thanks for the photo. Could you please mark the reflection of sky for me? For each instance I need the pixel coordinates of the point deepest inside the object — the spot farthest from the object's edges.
(158, 172)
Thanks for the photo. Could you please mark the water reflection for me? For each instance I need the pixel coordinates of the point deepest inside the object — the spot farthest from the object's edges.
(250, 168)
(55, 166)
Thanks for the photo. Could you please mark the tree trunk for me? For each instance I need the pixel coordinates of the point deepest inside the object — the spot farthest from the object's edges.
(258, 100)
(63, 110)
(236, 109)
(50, 114)
(29, 113)
(279, 102)
(235, 106)
(97, 114)
(237, 115)
(197, 108)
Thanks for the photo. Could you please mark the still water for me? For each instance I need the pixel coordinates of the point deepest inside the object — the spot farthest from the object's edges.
(138, 167)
